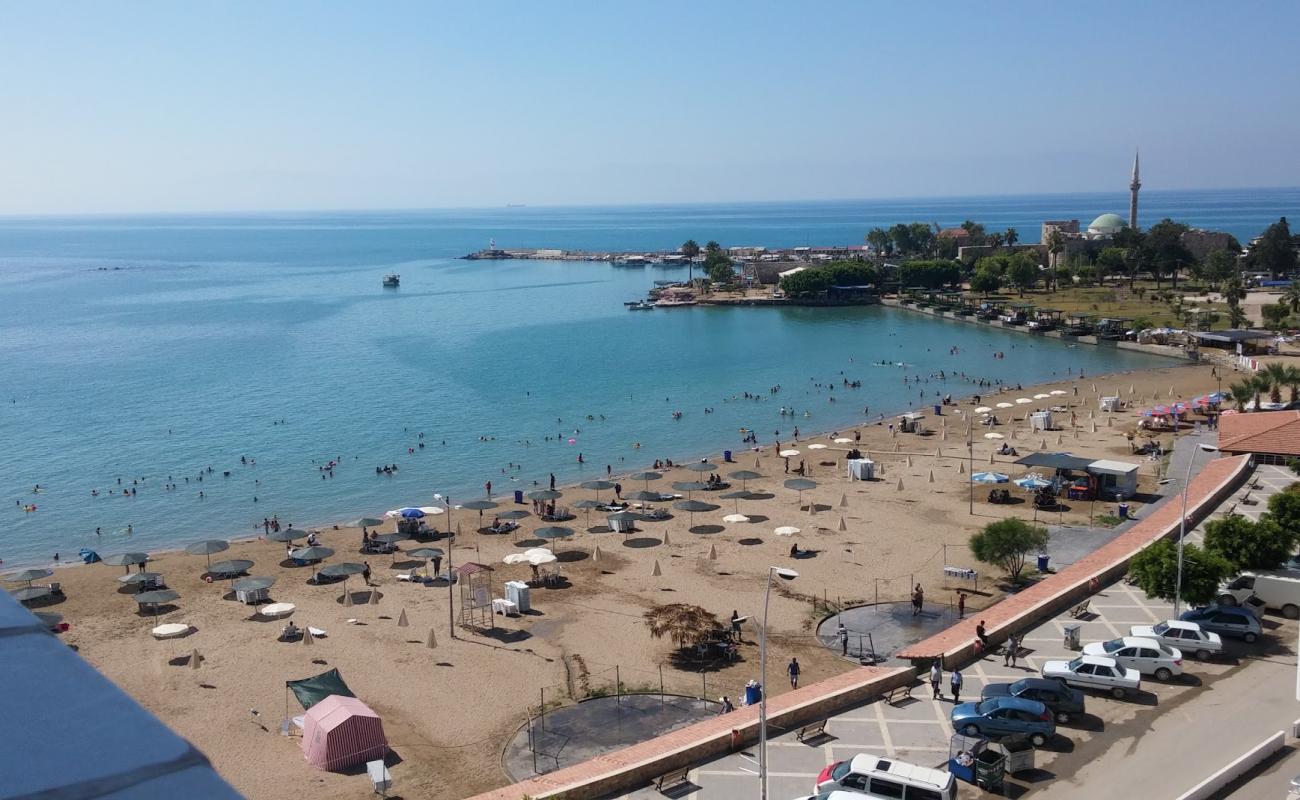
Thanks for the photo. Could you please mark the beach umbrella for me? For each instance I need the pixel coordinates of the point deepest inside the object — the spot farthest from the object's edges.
(645, 496)
(29, 575)
(930, 479)
(347, 596)
(432, 641)
(1032, 482)
(207, 547)
(287, 535)
(1057, 392)
(538, 559)
(276, 610)
(125, 560)
(800, 485)
(29, 593)
(410, 513)
(665, 541)
(657, 571)
(745, 475)
(693, 507)
(553, 532)
(843, 440)
(844, 500)
(137, 578)
(961, 467)
(374, 597)
(994, 436)
(646, 477)
(514, 515)
(402, 622)
(515, 558)
(480, 506)
(433, 511)
(587, 505)
(534, 550)
(789, 453)
(1041, 396)
(909, 461)
(899, 486)
(595, 554)
(391, 538)
(48, 618)
(735, 518)
(252, 584)
(425, 553)
(701, 466)
(843, 526)
(786, 530)
(689, 486)
(597, 486)
(738, 495)
(343, 570)
(545, 494)
(983, 410)
(989, 477)
(231, 568)
(307, 638)
(1023, 401)
(818, 446)
(366, 522)
(155, 598)
(317, 553)
(990, 456)
(1005, 405)
(713, 553)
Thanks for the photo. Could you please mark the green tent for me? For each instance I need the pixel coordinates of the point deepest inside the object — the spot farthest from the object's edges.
(311, 691)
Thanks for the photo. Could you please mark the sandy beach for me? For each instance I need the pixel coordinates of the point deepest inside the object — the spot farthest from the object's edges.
(448, 711)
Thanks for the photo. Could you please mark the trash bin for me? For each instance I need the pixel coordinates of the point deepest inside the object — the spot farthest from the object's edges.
(938, 410)
(519, 496)
(726, 456)
(1072, 635)
(1043, 558)
(752, 694)
(1020, 756)
(1123, 510)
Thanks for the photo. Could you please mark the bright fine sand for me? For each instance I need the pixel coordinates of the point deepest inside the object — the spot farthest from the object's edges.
(448, 711)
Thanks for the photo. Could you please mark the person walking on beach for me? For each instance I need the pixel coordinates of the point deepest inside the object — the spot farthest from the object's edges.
(961, 605)
(793, 670)
(365, 572)
(936, 678)
(735, 625)
(955, 682)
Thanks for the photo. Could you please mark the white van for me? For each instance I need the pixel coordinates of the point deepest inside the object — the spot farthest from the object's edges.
(1271, 589)
(872, 776)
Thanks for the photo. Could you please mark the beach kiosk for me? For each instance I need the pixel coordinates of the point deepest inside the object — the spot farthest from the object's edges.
(1110, 403)
(1114, 478)
(861, 469)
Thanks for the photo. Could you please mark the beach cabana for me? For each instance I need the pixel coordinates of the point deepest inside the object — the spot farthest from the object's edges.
(339, 732)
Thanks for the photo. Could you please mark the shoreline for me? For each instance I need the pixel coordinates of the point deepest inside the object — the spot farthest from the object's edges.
(883, 418)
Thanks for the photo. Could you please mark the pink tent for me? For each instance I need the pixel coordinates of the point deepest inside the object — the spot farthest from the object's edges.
(341, 731)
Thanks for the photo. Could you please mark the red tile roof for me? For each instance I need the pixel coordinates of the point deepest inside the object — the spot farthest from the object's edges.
(1261, 432)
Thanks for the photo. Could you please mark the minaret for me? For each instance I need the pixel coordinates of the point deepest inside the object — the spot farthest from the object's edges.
(1133, 187)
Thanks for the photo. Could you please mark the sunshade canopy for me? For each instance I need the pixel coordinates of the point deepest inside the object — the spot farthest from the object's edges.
(290, 534)
(31, 593)
(1055, 461)
(645, 476)
(800, 484)
(343, 570)
(252, 584)
(553, 532)
(478, 505)
(29, 575)
(746, 475)
(365, 522)
(125, 559)
(599, 486)
(392, 538)
(311, 691)
(545, 494)
(690, 486)
(233, 566)
(313, 553)
(425, 552)
(156, 596)
(694, 506)
(132, 578)
(588, 503)
(701, 466)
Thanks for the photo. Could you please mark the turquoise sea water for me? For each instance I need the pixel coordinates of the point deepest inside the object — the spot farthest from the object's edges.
(214, 328)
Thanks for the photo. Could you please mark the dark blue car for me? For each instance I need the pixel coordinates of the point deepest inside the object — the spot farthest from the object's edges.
(1237, 621)
(1063, 701)
(1005, 717)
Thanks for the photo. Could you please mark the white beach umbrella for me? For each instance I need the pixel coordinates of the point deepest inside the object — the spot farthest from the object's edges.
(1023, 401)
(433, 511)
(1005, 405)
(994, 436)
(817, 446)
(789, 453)
(983, 410)
(1041, 396)
(516, 558)
(535, 550)
(1057, 392)
(538, 559)
(843, 440)
(277, 609)
(735, 518)
(786, 530)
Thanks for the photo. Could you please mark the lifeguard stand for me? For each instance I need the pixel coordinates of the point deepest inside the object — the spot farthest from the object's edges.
(475, 581)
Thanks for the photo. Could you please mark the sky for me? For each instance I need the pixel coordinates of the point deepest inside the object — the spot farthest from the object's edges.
(225, 106)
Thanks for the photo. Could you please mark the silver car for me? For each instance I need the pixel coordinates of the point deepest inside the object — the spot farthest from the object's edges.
(1147, 656)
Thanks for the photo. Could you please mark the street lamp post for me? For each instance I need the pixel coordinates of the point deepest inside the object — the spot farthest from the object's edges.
(788, 575)
(1182, 524)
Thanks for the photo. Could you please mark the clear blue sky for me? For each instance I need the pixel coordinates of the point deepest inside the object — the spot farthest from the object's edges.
(182, 106)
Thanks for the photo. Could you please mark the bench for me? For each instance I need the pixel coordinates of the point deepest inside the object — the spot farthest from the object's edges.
(811, 731)
(1248, 500)
(894, 695)
(673, 778)
(1081, 609)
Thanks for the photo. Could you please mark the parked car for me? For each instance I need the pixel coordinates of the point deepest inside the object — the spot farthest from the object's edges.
(1063, 701)
(1005, 717)
(1237, 621)
(1147, 656)
(1278, 590)
(1186, 636)
(834, 794)
(885, 777)
(1095, 672)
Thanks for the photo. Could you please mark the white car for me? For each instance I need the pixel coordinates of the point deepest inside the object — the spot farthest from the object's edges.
(1147, 656)
(1095, 672)
(1186, 636)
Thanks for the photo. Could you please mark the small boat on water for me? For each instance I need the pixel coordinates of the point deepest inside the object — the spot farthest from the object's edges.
(675, 300)
(392, 280)
(631, 261)
(640, 305)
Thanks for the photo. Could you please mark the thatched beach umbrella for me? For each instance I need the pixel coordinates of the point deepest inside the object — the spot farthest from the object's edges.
(425, 554)
(317, 553)
(480, 506)
(29, 593)
(206, 548)
(366, 522)
(230, 568)
(597, 486)
(587, 505)
(138, 578)
(682, 623)
(343, 570)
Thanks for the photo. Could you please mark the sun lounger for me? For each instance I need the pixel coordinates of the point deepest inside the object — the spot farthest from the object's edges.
(316, 632)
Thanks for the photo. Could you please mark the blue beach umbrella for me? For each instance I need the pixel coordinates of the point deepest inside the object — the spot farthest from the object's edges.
(411, 513)
(1033, 482)
(989, 477)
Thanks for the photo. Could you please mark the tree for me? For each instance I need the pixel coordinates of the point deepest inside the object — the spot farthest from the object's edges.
(975, 235)
(1291, 297)
(1236, 316)
(1022, 272)
(1284, 508)
(719, 269)
(1007, 543)
(1276, 375)
(985, 281)
(1220, 265)
(1055, 244)
(1155, 571)
(902, 236)
(805, 283)
(1130, 242)
(690, 248)
(1166, 253)
(1242, 393)
(929, 274)
(1275, 250)
(922, 238)
(1011, 237)
(880, 241)
(1275, 315)
(1250, 545)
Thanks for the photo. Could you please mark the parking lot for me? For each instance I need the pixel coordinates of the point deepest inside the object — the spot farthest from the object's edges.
(917, 729)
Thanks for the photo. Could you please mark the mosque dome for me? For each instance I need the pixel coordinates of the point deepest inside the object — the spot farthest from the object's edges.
(1106, 225)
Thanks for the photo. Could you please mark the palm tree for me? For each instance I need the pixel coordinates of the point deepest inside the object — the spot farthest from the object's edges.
(1275, 376)
(1011, 237)
(1261, 384)
(1292, 382)
(1236, 316)
(1242, 393)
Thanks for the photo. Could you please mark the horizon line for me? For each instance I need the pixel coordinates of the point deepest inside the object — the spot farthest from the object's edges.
(645, 204)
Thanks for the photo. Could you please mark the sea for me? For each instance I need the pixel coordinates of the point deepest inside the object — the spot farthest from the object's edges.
(233, 356)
